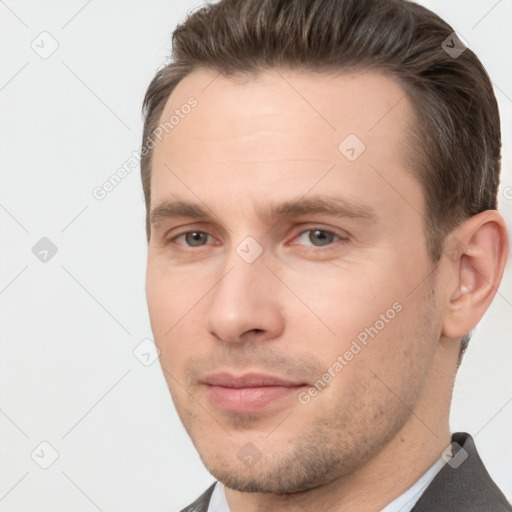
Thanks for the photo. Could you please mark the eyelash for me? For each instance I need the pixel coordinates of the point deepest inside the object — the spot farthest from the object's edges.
(173, 239)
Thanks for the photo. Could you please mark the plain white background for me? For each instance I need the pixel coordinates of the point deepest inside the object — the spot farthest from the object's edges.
(69, 326)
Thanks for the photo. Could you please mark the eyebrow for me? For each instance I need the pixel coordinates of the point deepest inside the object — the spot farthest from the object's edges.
(335, 206)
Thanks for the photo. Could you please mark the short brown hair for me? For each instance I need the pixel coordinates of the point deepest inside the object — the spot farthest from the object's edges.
(457, 135)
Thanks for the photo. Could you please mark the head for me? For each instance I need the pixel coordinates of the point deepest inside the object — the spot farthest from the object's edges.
(320, 181)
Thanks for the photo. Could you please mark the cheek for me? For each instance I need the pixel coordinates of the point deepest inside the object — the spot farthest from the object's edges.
(176, 313)
(373, 322)
(165, 308)
(390, 368)
(159, 302)
(167, 296)
(346, 299)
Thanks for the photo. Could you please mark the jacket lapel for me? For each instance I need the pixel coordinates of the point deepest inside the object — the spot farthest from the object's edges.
(463, 484)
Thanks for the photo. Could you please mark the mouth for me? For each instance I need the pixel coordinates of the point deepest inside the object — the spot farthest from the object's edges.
(249, 392)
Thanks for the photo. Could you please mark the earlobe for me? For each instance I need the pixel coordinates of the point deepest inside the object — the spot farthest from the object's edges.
(477, 253)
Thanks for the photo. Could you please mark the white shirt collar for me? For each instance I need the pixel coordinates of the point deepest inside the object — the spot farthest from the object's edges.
(218, 501)
(406, 501)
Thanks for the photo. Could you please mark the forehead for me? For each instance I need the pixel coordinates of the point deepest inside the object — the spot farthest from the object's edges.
(281, 128)
(363, 98)
(294, 105)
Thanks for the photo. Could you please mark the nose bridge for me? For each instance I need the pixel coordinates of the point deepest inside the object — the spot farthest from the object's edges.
(244, 268)
(243, 299)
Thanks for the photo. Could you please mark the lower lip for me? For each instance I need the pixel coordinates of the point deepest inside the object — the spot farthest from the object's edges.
(249, 399)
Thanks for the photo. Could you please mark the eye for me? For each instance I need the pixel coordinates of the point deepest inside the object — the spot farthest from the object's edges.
(192, 238)
(313, 237)
(319, 237)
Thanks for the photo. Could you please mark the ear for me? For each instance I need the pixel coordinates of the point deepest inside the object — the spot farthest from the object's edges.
(477, 252)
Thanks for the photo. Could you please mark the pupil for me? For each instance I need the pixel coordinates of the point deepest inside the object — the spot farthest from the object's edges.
(324, 240)
(195, 238)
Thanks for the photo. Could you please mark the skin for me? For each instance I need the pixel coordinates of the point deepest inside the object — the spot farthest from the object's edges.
(382, 421)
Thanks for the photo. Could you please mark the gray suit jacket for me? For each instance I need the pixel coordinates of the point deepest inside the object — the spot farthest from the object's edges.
(467, 487)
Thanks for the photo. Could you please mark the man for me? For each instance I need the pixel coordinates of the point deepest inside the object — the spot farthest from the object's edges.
(320, 180)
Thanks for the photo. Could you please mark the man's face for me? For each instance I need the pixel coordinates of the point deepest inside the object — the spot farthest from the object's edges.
(295, 342)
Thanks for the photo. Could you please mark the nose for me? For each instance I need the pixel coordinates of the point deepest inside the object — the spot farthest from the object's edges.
(245, 302)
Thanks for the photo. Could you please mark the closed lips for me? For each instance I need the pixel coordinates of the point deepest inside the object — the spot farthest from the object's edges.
(248, 381)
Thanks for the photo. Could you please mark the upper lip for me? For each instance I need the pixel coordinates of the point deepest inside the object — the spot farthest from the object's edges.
(248, 380)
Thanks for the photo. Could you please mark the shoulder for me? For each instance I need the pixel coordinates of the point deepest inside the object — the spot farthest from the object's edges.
(201, 504)
(463, 484)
